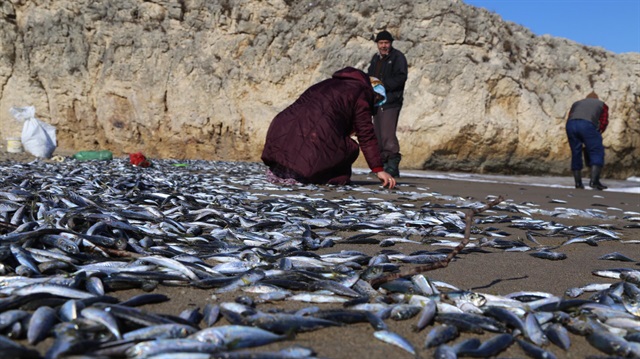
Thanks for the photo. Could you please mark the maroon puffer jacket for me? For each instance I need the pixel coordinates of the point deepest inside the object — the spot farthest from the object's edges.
(312, 137)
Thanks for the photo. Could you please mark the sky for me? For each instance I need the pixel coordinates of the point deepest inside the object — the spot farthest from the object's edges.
(611, 24)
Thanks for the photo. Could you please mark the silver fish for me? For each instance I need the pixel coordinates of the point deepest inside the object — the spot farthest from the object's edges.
(9, 317)
(609, 343)
(245, 280)
(104, 318)
(160, 331)
(426, 316)
(40, 324)
(395, 339)
(616, 256)
(491, 347)
(558, 335)
(440, 334)
(316, 298)
(236, 336)
(149, 348)
(533, 331)
(54, 290)
(25, 258)
(545, 254)
(535, 351)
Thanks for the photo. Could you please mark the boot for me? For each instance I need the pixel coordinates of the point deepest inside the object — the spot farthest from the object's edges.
(595, 178)
(577, 175)
(391, 165)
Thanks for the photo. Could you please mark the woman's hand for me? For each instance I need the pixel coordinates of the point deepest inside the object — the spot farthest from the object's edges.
(386, 179)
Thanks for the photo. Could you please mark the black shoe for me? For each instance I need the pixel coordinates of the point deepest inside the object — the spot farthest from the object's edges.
(597, 185)
(595, 179)
(577, 176)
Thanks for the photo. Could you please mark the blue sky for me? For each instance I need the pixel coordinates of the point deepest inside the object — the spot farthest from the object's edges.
(611, 24)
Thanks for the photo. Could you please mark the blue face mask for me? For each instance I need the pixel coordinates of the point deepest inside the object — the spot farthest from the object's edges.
(379, 89)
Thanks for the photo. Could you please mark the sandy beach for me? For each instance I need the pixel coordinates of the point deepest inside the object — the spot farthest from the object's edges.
(496, 272)
(483, 270)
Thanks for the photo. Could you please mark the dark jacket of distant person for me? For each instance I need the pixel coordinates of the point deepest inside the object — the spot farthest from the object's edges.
(591, 109)
(392, 73)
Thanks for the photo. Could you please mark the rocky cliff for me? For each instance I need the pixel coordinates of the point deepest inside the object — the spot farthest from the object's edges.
(203, 79)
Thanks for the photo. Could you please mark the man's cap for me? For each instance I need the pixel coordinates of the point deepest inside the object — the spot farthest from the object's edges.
(384, 35)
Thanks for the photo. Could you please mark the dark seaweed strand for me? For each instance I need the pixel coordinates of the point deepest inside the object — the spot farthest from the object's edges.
(376, 282)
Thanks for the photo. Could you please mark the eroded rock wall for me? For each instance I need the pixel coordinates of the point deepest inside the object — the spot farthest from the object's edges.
(203, 79)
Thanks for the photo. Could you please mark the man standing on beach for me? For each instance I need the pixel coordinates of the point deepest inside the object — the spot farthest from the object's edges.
(390, 66)
(586, 121)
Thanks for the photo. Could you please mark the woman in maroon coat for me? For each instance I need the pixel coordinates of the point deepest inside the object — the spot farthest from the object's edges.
(310, 141)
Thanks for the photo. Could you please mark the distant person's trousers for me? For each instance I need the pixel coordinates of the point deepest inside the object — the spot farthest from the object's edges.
(583, 133)
(385, 123)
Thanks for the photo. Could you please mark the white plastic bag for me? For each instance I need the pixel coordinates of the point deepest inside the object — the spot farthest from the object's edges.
(38, 138)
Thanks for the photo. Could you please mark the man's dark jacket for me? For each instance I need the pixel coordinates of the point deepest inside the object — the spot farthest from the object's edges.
(393, 75)
(312, 136)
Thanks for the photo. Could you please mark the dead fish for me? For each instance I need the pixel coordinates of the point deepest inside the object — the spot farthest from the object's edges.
(440, 334)
(534, 351)
(533, 331)
(334, 287)
(316, 298)
(616, 256)
(25, 258)
(349, 316)
(104, 318)
(546, 254)
(491, 347)
(245, 279)
(530, 237)
(466, 322)
(52, 289)
(150, 348)
(577, 291)
(589, 240)
(427, 313)
(236, 336)
(404, 311)
(506, 316)
(631, 276)
(40, 324)
(281, 323)
(9, 317)
(160, 331)
(610, 343)
(555, 200)
(558, 335)
(395, 339)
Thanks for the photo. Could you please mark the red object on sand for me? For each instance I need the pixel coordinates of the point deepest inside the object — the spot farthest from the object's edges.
(138, 159)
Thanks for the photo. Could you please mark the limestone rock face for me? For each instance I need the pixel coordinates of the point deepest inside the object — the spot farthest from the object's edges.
(203, 79)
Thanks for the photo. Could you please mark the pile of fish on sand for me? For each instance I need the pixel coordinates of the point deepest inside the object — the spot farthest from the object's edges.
(71, 233)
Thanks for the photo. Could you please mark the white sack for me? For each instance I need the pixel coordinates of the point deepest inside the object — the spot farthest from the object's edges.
(38, 138)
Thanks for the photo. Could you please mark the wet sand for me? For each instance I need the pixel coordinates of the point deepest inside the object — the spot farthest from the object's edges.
(496, 272)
